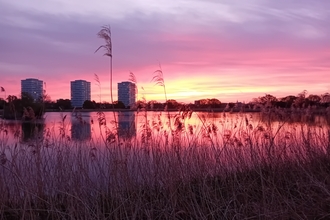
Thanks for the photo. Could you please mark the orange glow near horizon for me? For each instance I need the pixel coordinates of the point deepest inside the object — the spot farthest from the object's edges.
(183, 85)
(195, 66)
(206, 49)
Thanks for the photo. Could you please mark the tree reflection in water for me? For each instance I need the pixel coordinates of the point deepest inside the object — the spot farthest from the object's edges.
(80, 131)
(81, 127)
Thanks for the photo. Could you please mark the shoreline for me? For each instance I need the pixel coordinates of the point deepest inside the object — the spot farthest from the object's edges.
(235, 110)
(153, 110)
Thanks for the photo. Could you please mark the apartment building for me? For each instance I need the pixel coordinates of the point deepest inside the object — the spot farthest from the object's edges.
(80, 92)
(34, 87)
(127, 93)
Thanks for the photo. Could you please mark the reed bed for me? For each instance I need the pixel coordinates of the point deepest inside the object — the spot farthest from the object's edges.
(241, 168)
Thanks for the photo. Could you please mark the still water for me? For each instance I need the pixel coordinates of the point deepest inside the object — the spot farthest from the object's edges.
(84, 126)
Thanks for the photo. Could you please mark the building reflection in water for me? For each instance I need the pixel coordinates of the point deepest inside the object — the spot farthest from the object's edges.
(126, 124)
(81, 126)
(32, 131)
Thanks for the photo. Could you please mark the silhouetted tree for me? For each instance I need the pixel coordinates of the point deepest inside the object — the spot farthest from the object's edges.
(119, 105)
(12, 110)
(89, 104)
(2, 103)
(300, 101)
(140, 104)
(214, 103)
(23, 108)
(31, 108)
(208, 103)
(288, 100)
(231, 105)
(49, 104)
(155, 105)
(63, 104)
(267, 99)
(313, 100)
(172, 104)
(325, 99)
(11, 98)
(27, 99)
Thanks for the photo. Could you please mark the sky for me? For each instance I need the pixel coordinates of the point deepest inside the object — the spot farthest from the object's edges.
(232, 50)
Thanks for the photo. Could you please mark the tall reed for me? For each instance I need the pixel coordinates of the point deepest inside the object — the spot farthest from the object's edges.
(105, 34)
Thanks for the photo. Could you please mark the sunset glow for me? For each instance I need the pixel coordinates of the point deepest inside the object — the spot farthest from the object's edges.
(231, 50)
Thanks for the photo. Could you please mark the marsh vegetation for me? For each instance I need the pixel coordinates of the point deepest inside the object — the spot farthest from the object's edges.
(195, 166)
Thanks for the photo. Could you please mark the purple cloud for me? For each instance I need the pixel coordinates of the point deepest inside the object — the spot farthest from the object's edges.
(234, 45)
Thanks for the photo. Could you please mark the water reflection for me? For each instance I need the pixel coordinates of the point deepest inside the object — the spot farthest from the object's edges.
(126, 124)
(81, 127)
(9, 131)
(32, 130)
(295, 116)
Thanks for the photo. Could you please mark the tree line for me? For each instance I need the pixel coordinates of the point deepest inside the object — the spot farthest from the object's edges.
(302, 100)
(13, 104)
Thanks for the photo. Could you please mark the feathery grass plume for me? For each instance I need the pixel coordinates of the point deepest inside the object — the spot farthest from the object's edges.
(98, 83)
(105, 34)
(132, 79)
(96, 78)
(63, 125)
(159, 80)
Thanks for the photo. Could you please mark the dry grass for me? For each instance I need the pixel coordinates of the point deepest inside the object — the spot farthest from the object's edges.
(234, 169)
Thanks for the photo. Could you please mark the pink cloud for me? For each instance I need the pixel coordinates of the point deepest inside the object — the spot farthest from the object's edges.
(262, 48)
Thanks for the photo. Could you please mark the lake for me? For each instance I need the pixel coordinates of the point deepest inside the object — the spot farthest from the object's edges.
(214, 126)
